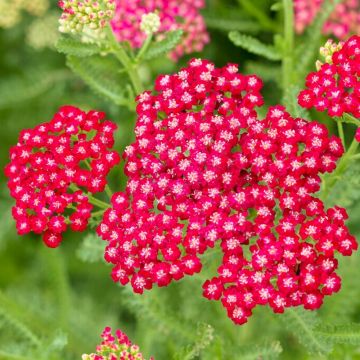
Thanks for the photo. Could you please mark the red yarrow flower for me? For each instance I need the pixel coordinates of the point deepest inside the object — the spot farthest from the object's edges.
(117, 347)
(335, 87)
(205, 171)
(52, 167)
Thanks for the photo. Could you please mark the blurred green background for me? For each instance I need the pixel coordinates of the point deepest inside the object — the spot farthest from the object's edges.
(55, 303)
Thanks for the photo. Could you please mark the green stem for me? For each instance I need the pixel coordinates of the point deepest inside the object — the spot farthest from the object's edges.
(144, 48)
(108, 191)
(288, 60)
(355, 157)
(332, 179)
(97, 213)
(125, 60)
(266, 22)
(93, 200)
(341, 132)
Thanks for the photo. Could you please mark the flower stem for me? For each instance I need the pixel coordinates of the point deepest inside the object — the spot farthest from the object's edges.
(108, 191)
(144, 49)
(341, 132)
(125, 60)
(288, 60)
(93, 200)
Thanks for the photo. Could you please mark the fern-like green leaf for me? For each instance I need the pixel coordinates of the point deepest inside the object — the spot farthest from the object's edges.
(71, 46)
(346, 191)
(339, 334)
(91, 249)
(264, 352)
(254, 46)
(302, 324)
(204, 336)
(102, 75)
(231, 24)
(164, 46)
(290, 101)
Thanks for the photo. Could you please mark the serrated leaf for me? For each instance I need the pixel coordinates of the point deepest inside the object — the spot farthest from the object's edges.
(230, 24)
(204, 336)
(102, 75)
(346, 191)
(339, 334)
(71, 46)
(290, 101)
(164, 46)
(302, 324)
(91, 249)
(254, 46)
(263, 352)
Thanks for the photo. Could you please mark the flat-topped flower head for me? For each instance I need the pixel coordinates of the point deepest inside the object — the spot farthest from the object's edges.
(335, 87)
(117, 347)
(150, 23)
(344, 20)
(78, 16)
(204, 171)
(173, 14)
(50, 165)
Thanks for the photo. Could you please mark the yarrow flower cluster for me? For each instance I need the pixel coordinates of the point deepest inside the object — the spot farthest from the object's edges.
(205, 171)
(150, 23)
(80, 15)
(117, 347)
(343, 21)
(174, 14)
(335, 87)
(11, 10)
(50, 165)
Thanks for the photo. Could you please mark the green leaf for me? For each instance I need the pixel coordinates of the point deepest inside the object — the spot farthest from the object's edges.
(164, 46)
(339, 334)
(292, 106)
(349, 119)
(263, 352)
(204, 337)
(302, 324)
(346, 191)
(254, 46)
(231, 24)
(91, 249)
(71, 46)
(102, 75)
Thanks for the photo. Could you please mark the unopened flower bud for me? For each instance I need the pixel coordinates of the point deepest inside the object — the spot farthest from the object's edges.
(150, 23)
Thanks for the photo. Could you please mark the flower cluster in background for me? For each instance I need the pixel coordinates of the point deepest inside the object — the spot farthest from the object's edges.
(80, 15)
(50, 164)
(335, 87)
(174, 14)
(117, 347)
(343, 21)
(205, 170)
(10, 10)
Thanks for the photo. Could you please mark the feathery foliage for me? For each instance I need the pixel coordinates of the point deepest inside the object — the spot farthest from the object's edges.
(254, 46)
